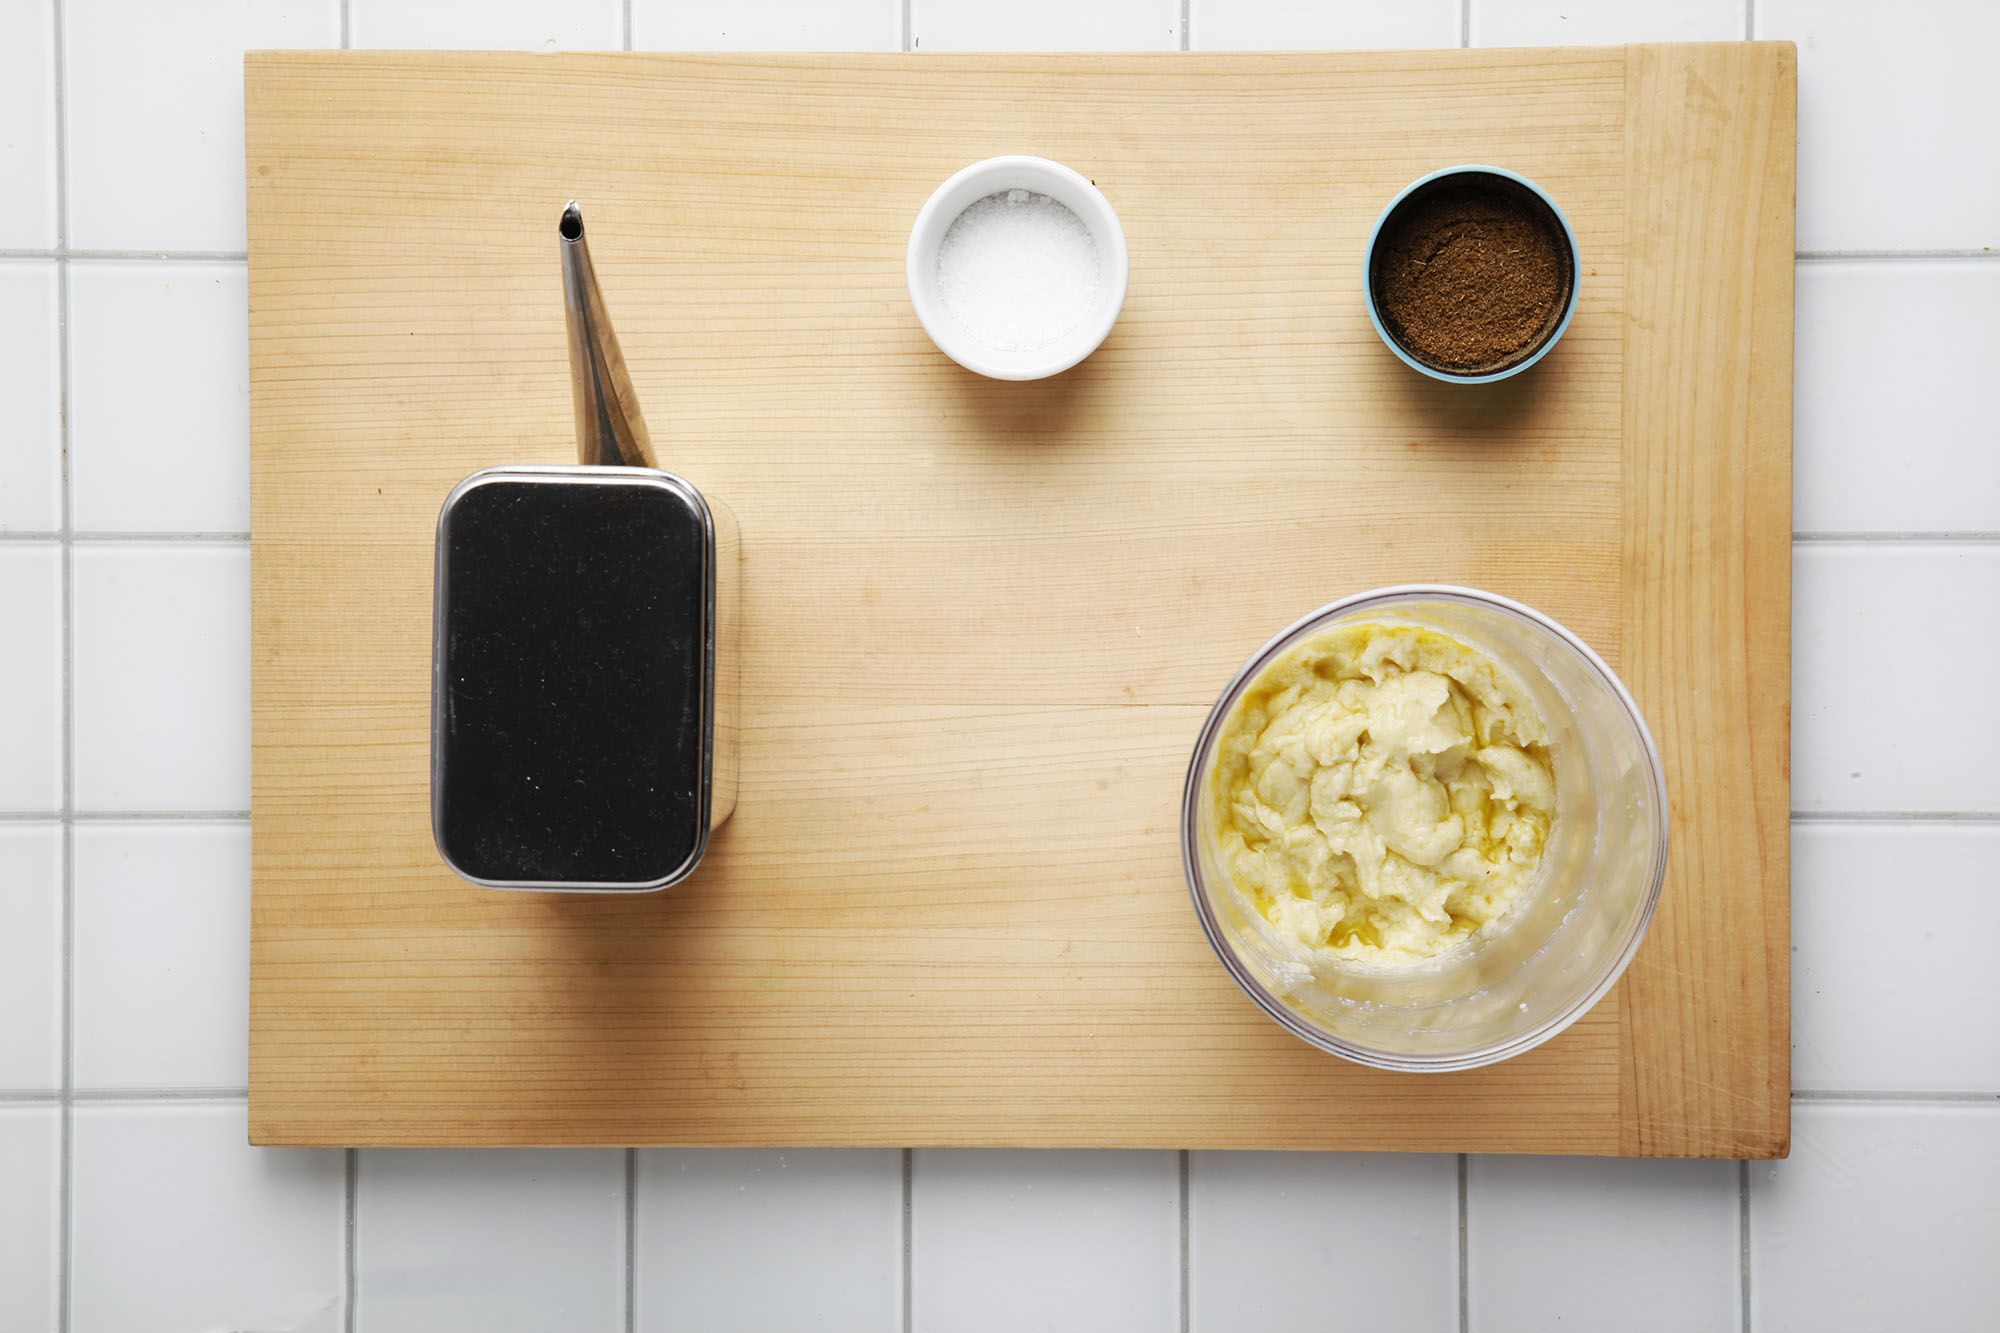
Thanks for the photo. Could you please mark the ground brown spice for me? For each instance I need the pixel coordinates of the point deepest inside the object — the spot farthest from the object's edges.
(1471, 274)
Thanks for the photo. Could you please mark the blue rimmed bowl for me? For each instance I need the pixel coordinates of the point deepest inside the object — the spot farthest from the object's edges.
(1509, 181)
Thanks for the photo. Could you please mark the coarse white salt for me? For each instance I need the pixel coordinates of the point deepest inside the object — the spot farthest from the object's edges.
(1018, 270)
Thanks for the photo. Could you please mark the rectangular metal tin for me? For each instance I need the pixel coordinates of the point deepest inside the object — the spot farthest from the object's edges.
(716, 781)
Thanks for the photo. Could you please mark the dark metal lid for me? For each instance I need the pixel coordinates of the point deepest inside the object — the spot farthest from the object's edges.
(573, 678)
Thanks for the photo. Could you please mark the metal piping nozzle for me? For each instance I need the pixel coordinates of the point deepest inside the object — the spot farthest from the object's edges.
(610, 432)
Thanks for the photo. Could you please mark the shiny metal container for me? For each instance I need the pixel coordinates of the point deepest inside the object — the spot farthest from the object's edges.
(584, 670)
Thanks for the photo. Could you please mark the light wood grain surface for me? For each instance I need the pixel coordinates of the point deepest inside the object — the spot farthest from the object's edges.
(983, 621)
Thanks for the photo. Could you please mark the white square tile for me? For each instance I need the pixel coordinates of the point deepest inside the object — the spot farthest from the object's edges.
(30, 676)
(709, 1221)
(1010, 1240)
(162, 643)
(1591, 22)
(1884, 1217)
(1893, 652)
(469, 25)
(1892, 957)
(1307, 25)
(1045, 25)
(477, 1241)
(1899, 121)
(160, 397)
(177, 1223)
(1272, 1235)
(767, 25)
(30, 958)
(31, 1173)
(27, 125)
(162, 950)
(31, 389)
(153, 100)
(1898, 410)
(1591, 1242)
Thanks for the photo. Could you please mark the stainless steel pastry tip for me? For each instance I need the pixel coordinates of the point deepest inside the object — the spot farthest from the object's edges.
(610, 431)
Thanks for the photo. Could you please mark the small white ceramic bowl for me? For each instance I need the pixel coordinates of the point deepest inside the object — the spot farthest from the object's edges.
(991, 177)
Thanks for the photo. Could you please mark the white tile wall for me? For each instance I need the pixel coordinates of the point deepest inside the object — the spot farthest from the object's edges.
(490, 1242)
(710, 1222)
(31, 676)
(1883, 1218)
(1311, 1240)
(1587, 22)
(31, 389)
(175, 1225)
(27, 126)
(767, 25)
(1898, 425)
(153, 102)
(30, 1215)
(1588, 1242)
(531, 25)
(31, 981)
(1893, 980)
(162, 676)
(1899, 121)
(1890, 707)
(162, 955)
(1045, 25)
(1007, 1240)
(1297, 25)
(159, 373)
(1886, 1216)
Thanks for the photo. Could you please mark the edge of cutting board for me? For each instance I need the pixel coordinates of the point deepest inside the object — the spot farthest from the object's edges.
(1702, 1019)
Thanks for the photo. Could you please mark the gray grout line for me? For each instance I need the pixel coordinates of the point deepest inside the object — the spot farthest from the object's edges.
(210, 538)
(118, 816)
(160, 817)
(625, 44)
(159, 1094)
(66, 1118)
(147, 256)
(1187, 25)
(1464, 1292)
(346, 27)
(351, 1196)
(206, 538)
(1958, 535)
(1749, 20)
(1465, 23)
(1895, 817)
(1888, 1098)
(1187, 1263)
(1836, 256)
(909, 1199)
(909, 28)
(1743, 1242)
(631, 1158)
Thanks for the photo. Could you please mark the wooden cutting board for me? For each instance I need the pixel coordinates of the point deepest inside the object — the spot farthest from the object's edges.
(984, 620)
